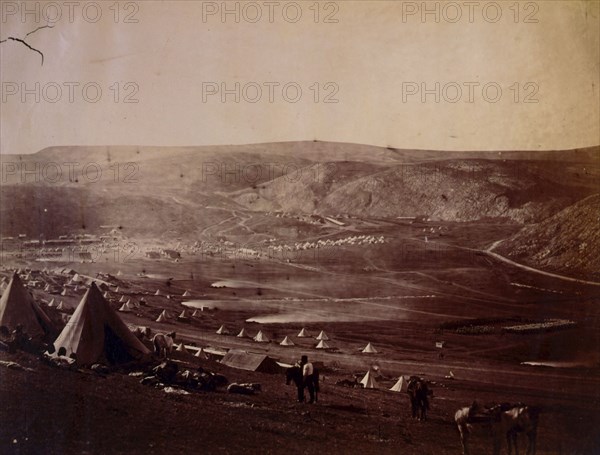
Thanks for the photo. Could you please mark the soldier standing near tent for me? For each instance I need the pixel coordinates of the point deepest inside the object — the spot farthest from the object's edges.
(308, 377)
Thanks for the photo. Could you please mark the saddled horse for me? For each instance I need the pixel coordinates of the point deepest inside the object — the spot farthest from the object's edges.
(505, 420)
(163, 344)
(294, 373)
(418, 392)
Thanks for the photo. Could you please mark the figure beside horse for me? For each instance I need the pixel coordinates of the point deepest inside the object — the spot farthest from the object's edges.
(418, 392)
(302, 381)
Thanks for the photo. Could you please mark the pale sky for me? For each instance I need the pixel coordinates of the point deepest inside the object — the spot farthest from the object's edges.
(375, 61)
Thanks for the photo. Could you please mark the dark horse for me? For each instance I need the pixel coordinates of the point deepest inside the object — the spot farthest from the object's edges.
(295, 374)
(418, 392)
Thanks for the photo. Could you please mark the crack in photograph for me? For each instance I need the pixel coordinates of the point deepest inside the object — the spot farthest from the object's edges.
(300, 227)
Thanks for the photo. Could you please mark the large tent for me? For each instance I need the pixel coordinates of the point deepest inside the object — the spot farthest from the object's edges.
(223, 330)
(243, 360)
(368, 381)
(162, 317)
(287, 342)
(243, 334)
(303, 334)
(322, 336)
(95, 333)
(125, 308)
(322, 345)
(261, 337)
(18, 307)
(201, 354)
(369, 349)
(401, 385)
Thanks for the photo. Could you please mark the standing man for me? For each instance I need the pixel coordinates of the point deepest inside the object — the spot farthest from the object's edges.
(308, 377)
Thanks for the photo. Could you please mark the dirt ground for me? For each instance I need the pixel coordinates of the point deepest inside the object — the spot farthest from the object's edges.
(53, 410)
(379, 294)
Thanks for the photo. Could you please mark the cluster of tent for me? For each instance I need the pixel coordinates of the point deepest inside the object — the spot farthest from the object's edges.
(128, 306)
(160, 293)
(93, 334)
(183, 316)
(260, 337)
(369, 382)
(322, 339)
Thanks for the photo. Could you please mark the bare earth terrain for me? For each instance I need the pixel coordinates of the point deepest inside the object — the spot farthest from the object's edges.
(264, 257)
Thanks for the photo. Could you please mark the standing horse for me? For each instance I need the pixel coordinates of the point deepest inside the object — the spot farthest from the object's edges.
(163, 344)
(505, 420)
(294, 373)
(418, 392)
(510, 420)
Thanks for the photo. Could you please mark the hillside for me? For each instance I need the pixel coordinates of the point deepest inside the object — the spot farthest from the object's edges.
(449, 190)
(567, 242)
(182, 190)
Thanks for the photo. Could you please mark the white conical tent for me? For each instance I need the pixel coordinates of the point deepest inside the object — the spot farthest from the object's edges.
(125, 308)
(201, 354)
(401, 385)
(51, 303)
(223, 330)
(186, 294)
(181, 348)
(106, 295)
(117, 289)
(369, 349)
(303, 334)
(119, 273)
(368, 381)
(46, 288)
(18, 307)
(64, 292)
(243, 334)
(322, 345)
(163, 316)
(61, 306)
(157, 292)
(287, 342)
(183, 315)
(261, 337)
(195, 314)
(322, 336)
(95, 333)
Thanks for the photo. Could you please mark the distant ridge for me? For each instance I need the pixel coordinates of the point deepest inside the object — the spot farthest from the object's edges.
(182, 191)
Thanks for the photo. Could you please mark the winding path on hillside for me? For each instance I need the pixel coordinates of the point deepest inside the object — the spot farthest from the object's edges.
(490, 252)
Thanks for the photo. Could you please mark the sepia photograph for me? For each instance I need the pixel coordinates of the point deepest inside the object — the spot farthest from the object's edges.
(300, 227)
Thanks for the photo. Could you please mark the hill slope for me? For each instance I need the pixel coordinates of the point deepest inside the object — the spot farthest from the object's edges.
(567, 242)
(180, 190)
